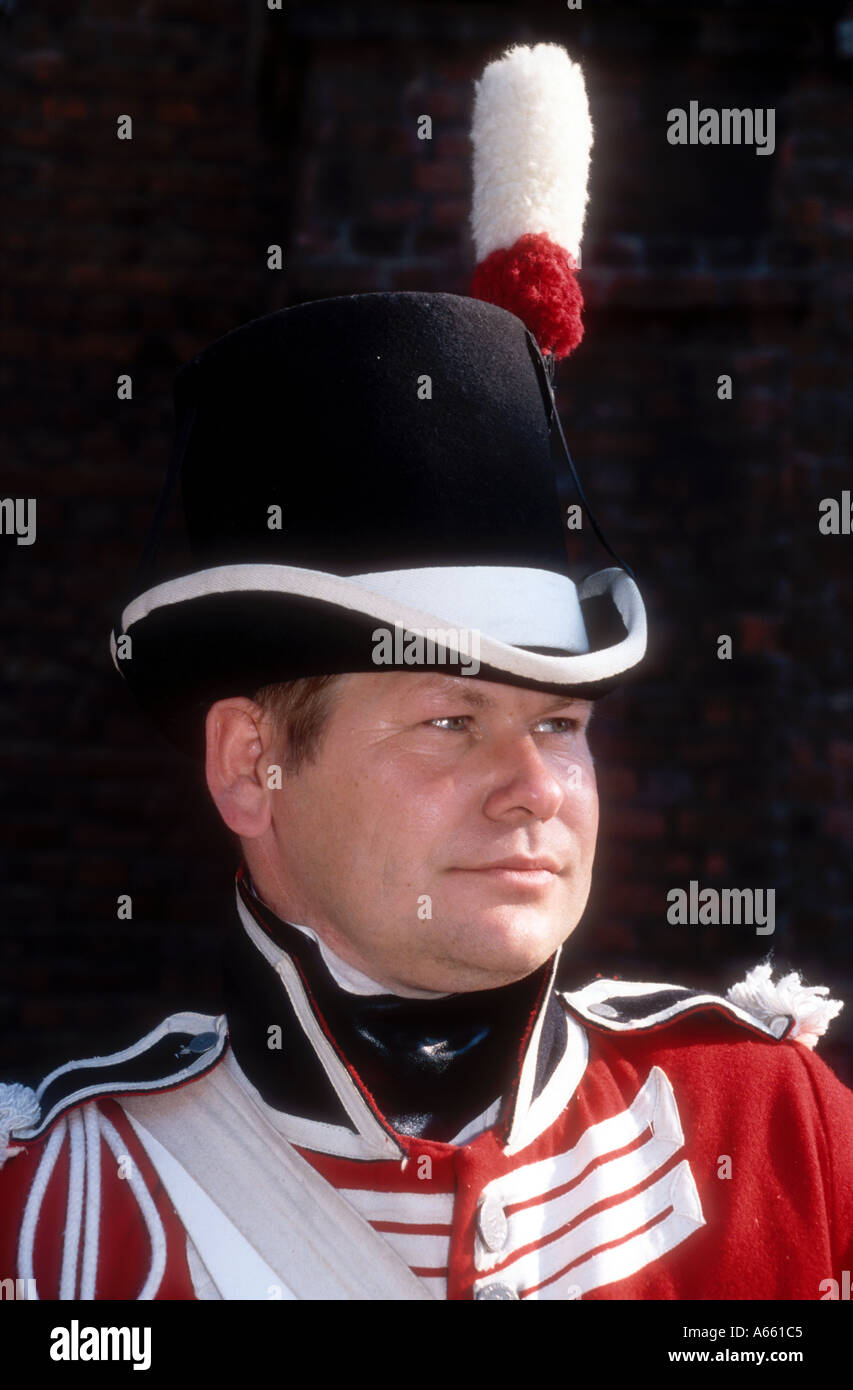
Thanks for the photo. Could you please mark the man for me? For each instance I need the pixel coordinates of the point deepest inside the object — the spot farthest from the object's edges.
(380, 653)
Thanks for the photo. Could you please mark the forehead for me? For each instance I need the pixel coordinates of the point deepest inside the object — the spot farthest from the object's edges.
(399, 688)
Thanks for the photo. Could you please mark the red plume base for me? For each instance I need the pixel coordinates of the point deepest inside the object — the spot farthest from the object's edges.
(536, 280)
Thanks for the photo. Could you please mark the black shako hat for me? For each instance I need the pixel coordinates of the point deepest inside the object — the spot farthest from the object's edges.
(407, 440)
(370, 482)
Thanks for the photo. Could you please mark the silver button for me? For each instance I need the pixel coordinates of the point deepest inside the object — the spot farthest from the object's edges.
(604, 1010)
(492, 1224)
(202, 1042)
(496, 1291)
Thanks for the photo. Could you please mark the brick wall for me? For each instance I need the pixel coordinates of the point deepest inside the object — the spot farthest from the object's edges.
(299, 127)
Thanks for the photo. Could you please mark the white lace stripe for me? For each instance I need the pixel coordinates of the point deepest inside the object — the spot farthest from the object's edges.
(602, 1138)
(92, 1230)
(613, 1175)
(74, 1208)
(617, 1222)
(535, 1223)
(421, 1249)
(625, 1259)
(32, 1210)
(409, 1208)
(149, 1211)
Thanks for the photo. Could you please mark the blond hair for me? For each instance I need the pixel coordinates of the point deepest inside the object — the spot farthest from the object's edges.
(299, 711)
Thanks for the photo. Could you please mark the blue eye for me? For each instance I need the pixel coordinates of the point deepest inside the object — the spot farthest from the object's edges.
(461, 721)
(450, 719)
(573, 725)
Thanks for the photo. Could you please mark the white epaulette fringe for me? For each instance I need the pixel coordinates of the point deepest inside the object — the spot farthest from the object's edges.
(768, 1000)
(19, 1109)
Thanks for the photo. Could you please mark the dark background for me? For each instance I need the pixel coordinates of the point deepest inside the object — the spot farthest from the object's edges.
(299, 127)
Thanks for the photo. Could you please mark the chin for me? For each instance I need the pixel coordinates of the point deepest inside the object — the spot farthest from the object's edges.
(508, 943)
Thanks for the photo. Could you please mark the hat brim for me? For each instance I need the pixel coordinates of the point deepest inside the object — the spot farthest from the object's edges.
(232, 629)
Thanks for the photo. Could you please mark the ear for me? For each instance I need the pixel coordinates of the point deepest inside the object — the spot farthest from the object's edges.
(238, 740)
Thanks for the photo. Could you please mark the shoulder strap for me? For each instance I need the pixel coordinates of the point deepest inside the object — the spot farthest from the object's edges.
(180, 1049)
(777, 1009)
(628, 1006)
(222, 1152)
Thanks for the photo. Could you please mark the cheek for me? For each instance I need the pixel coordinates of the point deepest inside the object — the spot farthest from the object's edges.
(580, 809)
(591, 811)
(574, 769)
(416, 792)
(385, 820)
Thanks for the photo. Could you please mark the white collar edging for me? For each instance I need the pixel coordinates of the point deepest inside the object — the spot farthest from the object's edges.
(532, 1117)
(374, 1135)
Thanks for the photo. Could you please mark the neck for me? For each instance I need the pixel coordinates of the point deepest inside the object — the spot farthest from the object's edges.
(347, 976)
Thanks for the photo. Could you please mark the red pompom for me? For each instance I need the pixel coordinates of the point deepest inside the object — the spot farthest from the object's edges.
(537, 280)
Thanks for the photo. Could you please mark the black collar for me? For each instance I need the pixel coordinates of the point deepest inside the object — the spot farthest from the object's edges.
(427, 1067)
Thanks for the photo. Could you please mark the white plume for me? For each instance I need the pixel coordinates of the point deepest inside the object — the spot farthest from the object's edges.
(770, 1001)
(532, 136)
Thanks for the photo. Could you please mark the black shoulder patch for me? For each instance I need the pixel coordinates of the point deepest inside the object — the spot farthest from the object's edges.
(624, 1006)
(180, 1049)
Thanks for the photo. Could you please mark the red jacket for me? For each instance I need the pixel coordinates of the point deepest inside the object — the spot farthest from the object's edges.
(673, 1147)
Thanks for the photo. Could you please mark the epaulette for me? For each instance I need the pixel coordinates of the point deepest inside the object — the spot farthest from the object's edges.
(786, 1008)
(180, 1049)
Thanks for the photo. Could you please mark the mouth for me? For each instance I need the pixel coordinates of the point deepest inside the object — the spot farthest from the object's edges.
(517, 872)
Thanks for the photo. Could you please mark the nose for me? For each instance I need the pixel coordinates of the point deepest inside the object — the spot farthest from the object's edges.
(521, 782)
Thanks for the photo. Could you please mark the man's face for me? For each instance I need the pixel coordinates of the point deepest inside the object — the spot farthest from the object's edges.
(443, 837)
